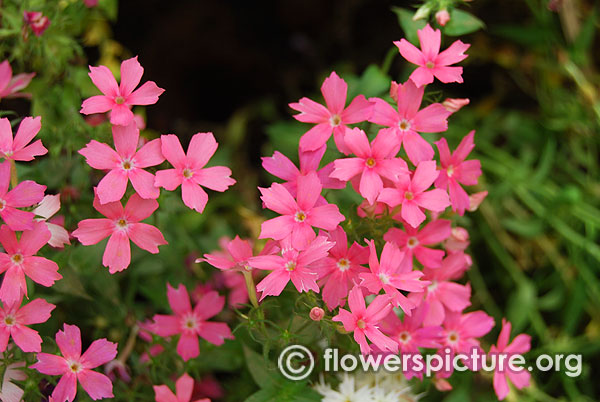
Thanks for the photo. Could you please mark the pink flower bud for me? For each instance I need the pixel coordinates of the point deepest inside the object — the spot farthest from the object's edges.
(458, 240)
(455, 104)
(475, 200)
(442, 17)
(37, 21)
(394, 91)
(316, 314)
(442, 385)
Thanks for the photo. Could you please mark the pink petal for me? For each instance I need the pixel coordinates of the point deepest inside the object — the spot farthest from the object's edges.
(316, 137)
(188, 347)
(422, 76)
(424, 176)
(96, 104)
(28, 129)
(69, 341)
(104, 80)
(385, 145)
(149, 155)
(302, 234)
(409, 99)
(334, 91)
(98, 386)
(112, 186)
(172, 151)
(26, 339)
(216, 178)
(41, 270)
(458, 197)
(100, 351)
(417, 148)
(121, 115)
(6, 135)
(383, 113)
(169, 179)
(25, 194)
(500, 385)
(309, 190)
(215, 332)
(131, 74)
(112, 210)
(30, 152)
(202, 147)
(60, 236)
(146, 237)
(184, 387)
(434, 200)
(147, 94)
(412, 214)
(277, 228)
(370, 185)
(117, 254)
(325, 217)
(193, 196)
(521, 344)
(278, 199)
(410, 52)
(34, 312)
(5, 74)
(360, 109)
(166, 325)
(430, 40)
(280, 166)
(358, 143)
(179, 299)
(442, 146)
(356, 301)
(49, 206)
(448, 74)
(33, 240)
(274, 283)
(17, 219)
(310, 160)
(91, 231)
(162, 393)
(143, 183)
(429, 257)
(346, 169)
(126, 139)
(100, 156)
(452, 55)
(435, 232)
(66, 389)
(50, 364)
(209, 305)
(432, 119)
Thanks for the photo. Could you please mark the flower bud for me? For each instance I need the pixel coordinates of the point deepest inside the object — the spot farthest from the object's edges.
(455, 104)
(317, 314)
(423, 12)
(475, 200)
(442, 17)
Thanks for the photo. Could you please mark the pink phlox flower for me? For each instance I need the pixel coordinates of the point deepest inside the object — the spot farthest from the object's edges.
(25, 194)
(412, 242)
(120, 98)
(10, 392)
(17, 148)
(189, 169)
(442, 294)
(407, 121)
(455, 171)
(294, 265)
(431, 62)
(19, 260)
(121, 225)
(411, 334)
(340, 269)
(15, 318)
(45, 210)
(373, 162)
(461, 332)
(411, 193)
(371, 210)
(282, 167)
(521, 344)
(74, 366)
(390, 275)
(331, 119)
(298, 215)
(37, 21)
(236, 253)
(364, 321)
(458, 240)
(184, 386)
(192, 323)
(125, 164)
(9, 85)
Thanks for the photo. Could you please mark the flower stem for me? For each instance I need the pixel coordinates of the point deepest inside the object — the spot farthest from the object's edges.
(14, 179)
(251, 288)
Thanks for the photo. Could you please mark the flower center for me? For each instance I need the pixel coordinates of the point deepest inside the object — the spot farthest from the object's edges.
(452, 337)
(190, 323)
(290, 266)
(409, 195)
(127, 164)
(300, 216)
(2, 205)
(75, 367)
(17, 259)
(335, 120)
(343, 264)
(431, 288)
(361, 324)
(384, 278)
(450, 170)
(404, 125)
(121, 223)
(412, 242)
(9, 321)
(430, 64)
(247, 268)
(119, 100)
(404, 337)
(187, 173)
(370, 162)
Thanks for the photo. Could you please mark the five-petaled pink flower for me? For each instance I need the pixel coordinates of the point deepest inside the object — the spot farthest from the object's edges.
(372, 163)
(184, 387)
(9, 85)
(25, 194)
(456, 171)
(236, 254)
(13, 321)
(333, 118)
(408, 121)
(192, 323)
(37, 21)
(20, 260)
(17, 149)
(298, 215)
(431, 62)
(122, 225)
(364, 321)
(189, 171)
(520, 345)
(73, 366)
(120, 98)
(294, 265)
(390, 275)
(412, 195)
(127, 163)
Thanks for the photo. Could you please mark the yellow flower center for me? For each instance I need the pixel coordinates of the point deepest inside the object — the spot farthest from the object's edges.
(290, 266)
(335, 120)
(412, 242)
(404, 125)
(409, 195)
(430, 64)
(127, 164)
(361, 324)
(452, 337)
(119, 100)
(187, 173)
(9, 320)
(17, 259)
(343, 264)
(450, 170)
(404, 337)
(370, 162)
(300, 216)
(122, 223)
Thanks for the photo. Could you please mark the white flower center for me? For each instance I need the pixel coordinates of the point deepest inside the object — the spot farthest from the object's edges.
(290, 266)
(412, 242)
(74, 366)
(190, 323)
(126, 164)
(432, 288)
(187, 173)
(404, 125)
(343, 264)
(300, 216)
(453, 337)
(121, 224)
(404, 337)
(335, 120)
(370, 162)
(2, 205)
(430, 64)
(384, 278)
(17, 259)
(450, 170)
(9, 321)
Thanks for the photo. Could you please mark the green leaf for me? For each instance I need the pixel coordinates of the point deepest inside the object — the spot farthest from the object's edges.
(521, 302)
(263, 372)
(410, 27)
(462, 23)
(373, 82)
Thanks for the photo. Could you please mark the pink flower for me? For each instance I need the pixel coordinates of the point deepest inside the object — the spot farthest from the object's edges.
(25, 194)
(520, 345)
(412, 195)
(456, 171)
(407, 121)
(125, 164)
(37, 21)
(298, 215)
(373, 162)
(9, 85)
(333, 118)
(442, 17)
(316, 313)
(462, 330)
(10, 392)
(442, 295)
(364, 321)
(13, 321)
(297, 266)
(90, 3)
(122, 225)
(340, 270)
(184, 387)
(17, 149)
(391, 276)
(20, 260)
(49, 206)
(236, 254)
(280, 166)
(73, 366)
(192, 323)
(120, 98)
(413, 241)
(431, 62)
(189, 170)
(458, 240)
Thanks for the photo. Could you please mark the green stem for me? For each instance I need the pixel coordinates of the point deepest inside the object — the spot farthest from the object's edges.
(251, 288)
(14, 178)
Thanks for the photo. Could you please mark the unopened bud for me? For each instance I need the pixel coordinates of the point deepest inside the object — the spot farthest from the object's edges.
(475, 200)
(453, 105)
(423, 12)
(317, 314)
(442, 17)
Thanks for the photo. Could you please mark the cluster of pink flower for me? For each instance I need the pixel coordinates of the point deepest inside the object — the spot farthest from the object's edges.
(427, 293)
